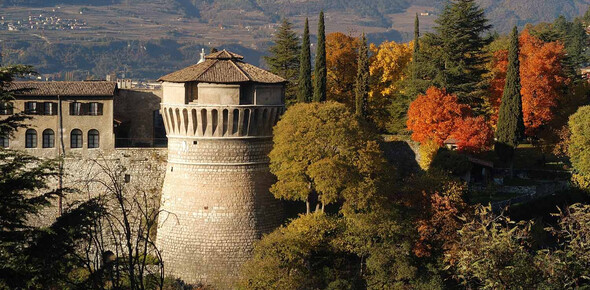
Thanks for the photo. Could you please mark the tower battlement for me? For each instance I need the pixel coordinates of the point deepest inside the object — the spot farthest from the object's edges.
(214, 121)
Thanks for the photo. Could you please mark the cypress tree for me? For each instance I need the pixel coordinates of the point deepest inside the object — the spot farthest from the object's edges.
(284, 58)
(510, 127)
(416, 48)
(320, 71)
(305, 91)
(362, 80)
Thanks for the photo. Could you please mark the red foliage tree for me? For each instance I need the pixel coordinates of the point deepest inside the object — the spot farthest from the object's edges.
(473, 134)
(435, 115)
(542, 77)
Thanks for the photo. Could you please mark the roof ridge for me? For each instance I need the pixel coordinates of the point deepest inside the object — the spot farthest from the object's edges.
(208, 67)
(240, 69)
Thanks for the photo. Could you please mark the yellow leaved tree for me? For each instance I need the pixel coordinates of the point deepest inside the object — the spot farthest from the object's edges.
(389, 68)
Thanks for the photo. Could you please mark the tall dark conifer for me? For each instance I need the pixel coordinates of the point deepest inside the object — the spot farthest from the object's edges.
(415, 56)
(456, 55)
(362, 80)
(284, 58)
(510, 128)
(305, 90)
(320, 71)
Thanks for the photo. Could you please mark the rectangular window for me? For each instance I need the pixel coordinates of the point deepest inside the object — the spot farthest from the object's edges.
(6, 108)
(93, 109)
(49, 108)
(31, 108)
(75, 109)
(4, 142)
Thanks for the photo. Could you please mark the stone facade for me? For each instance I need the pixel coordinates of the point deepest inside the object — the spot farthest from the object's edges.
(215, 198)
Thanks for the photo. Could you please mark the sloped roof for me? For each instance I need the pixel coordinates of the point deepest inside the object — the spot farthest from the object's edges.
(222, 67)
(65, 89)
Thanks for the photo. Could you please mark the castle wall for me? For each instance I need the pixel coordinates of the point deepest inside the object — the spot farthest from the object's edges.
(216, 196)
(82, 173)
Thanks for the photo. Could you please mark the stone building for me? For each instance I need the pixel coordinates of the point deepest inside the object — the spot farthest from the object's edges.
(95, 116)
(219, 116)
(75, 116)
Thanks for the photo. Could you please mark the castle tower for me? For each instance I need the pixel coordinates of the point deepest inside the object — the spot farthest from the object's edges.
(216, 202)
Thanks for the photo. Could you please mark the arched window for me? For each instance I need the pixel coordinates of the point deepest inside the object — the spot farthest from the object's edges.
(93, 139)
(31, 138)
(48, 138)
(76, 139)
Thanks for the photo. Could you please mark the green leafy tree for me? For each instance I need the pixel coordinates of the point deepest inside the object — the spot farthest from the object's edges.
(320, 70)
(579, 142)
(305, 92)
(493, 253)
(323, 155)
(568, 265)
(510, 128)
(362, 80)
(455, 58)
(300, 255)
(284, 58)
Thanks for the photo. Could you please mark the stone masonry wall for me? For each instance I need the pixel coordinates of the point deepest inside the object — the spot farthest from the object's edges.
(216, 204)
(82, 174)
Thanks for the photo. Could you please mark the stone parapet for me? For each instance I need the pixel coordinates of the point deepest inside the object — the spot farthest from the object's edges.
(214, 121)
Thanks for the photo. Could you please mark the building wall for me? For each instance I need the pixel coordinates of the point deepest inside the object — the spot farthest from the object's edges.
(103, 123)
(174, 93)
(135, 108)
(218, 94)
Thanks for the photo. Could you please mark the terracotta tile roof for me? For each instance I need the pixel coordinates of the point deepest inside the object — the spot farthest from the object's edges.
(224, 54)
(65, 89)
(222, 67)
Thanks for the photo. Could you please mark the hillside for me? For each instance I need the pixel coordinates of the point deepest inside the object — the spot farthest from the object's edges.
(151, 37)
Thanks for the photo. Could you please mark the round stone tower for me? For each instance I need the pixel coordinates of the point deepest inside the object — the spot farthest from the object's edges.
(216, 202)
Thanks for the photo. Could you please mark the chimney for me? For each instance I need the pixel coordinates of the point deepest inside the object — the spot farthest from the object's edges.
(202, 56)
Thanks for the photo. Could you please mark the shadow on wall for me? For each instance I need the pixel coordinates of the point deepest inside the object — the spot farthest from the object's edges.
(402, 155)
(138, 119)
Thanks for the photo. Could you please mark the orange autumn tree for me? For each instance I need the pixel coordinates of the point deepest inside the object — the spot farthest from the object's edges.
(438, 116)
(341, 63)
(542, 76)
(473, 134)
(435, 115)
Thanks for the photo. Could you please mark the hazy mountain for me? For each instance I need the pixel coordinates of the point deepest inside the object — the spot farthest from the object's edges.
(503, 13)
(148, 38)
